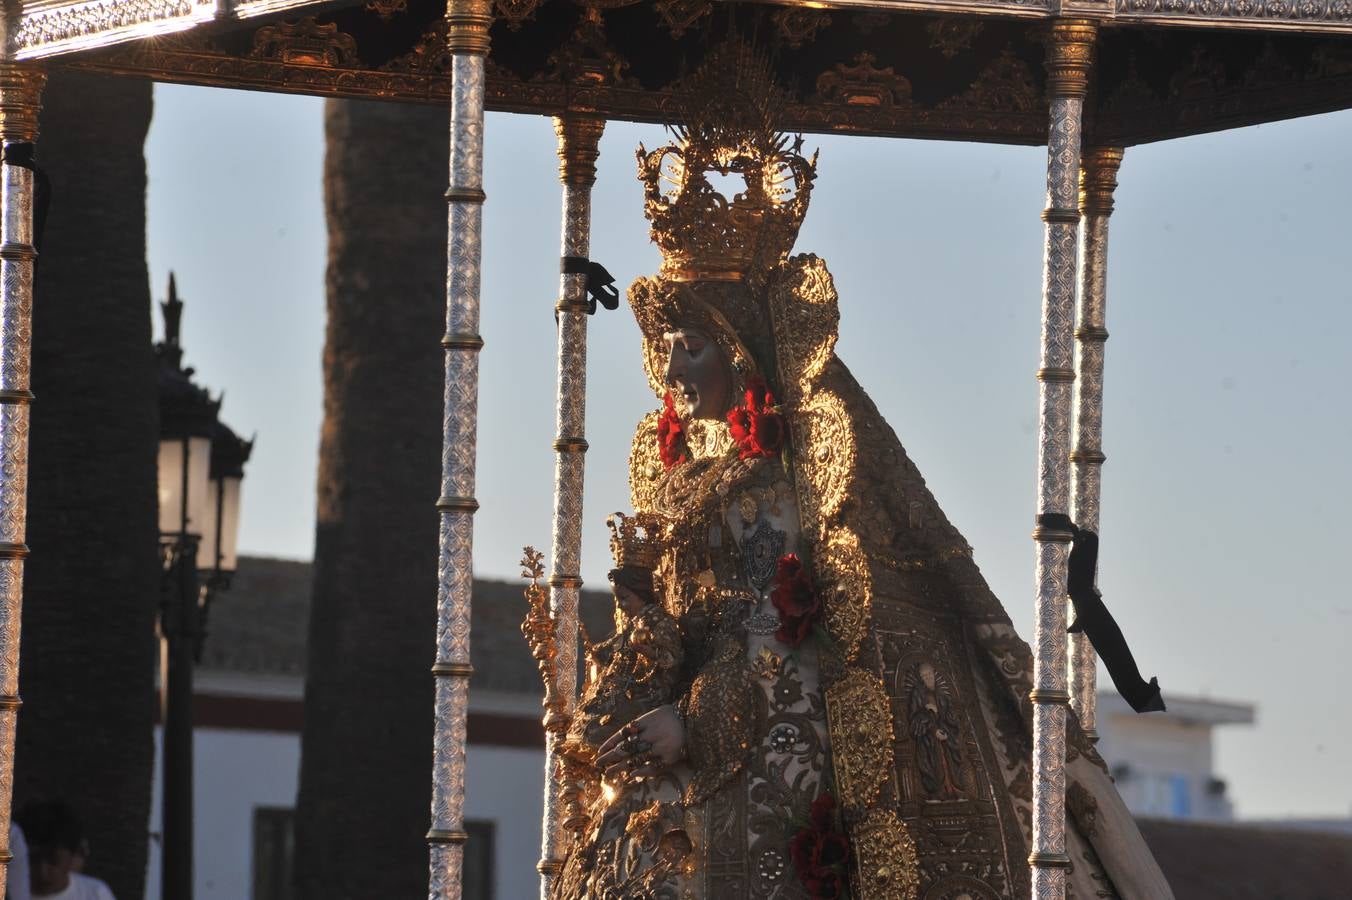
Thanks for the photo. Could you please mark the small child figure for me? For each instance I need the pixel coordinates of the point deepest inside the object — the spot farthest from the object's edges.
(635, 670)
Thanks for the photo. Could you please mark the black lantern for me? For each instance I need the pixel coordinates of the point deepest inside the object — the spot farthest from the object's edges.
(187, 426)
(217, 553)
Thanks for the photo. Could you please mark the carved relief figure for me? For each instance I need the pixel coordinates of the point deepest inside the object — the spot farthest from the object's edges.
(936, 731)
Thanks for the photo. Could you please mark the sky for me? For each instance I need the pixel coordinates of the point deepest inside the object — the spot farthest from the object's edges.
(1226, 420)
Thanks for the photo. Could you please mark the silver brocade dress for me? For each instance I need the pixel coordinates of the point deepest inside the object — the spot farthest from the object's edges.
(718, 825)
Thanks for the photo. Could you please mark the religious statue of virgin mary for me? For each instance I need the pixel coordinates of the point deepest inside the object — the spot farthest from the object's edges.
(851, 714)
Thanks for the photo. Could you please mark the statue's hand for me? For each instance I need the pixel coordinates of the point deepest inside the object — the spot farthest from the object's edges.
(646, 746)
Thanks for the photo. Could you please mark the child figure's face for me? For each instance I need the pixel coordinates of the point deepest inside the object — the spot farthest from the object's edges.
(629, 602)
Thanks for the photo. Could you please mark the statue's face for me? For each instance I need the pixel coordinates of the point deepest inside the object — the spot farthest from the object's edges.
(698, 372)
(630, 603)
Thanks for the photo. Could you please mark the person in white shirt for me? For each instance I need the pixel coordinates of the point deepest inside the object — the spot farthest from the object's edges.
(16, 885)
(56, 849)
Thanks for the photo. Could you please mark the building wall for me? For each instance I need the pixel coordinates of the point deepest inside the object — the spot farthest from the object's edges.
(1163, 763)
(237, 771)
(234, 773)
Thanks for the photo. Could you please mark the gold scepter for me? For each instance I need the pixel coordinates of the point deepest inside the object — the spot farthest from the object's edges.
(538, 629)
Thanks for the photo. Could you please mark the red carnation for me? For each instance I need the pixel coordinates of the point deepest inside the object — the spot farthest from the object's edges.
(796, 600)
(671, 445)
(756, 427)
(819, 852)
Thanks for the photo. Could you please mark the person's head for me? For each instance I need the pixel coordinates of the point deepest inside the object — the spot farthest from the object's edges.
(632, 587)
(698, 372)
(56, 844)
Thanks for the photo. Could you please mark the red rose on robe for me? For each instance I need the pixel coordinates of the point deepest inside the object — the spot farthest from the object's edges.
(796, 600)
(671, 444)
(819, 852)
(756, 427)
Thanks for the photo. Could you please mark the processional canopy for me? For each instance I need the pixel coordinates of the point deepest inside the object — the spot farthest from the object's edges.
(946, 69)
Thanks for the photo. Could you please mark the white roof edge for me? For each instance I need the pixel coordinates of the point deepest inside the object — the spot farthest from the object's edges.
(1198, 710)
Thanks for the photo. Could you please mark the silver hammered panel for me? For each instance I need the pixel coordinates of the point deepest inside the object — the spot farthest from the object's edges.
(1049, 626)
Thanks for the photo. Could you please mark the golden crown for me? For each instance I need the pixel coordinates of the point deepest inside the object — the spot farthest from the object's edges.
(636, 540)
(727, 109)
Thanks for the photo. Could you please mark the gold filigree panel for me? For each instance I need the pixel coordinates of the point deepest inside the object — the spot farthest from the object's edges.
(827, 444)
(858, 710)
(842, 567)
(862, 83)
(645, 464)
(885, 853)
(805, 311)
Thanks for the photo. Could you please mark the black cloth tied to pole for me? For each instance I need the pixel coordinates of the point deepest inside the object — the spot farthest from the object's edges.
(21, 154)
(600, 283)
(1092, 618)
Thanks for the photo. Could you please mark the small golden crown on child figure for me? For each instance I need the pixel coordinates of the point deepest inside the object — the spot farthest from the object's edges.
(727, 109)
(635, 540)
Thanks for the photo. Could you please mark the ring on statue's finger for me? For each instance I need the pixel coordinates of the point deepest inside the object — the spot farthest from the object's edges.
(631, 730)
(630, 745)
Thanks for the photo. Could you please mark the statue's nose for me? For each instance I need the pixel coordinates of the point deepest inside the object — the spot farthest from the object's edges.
(675, 369)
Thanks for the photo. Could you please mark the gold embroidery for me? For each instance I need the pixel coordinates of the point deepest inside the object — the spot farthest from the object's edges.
(842, 570)
(861, 735)
(767, 664)
(886, 856)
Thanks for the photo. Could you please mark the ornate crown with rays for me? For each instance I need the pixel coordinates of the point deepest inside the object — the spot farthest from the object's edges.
(727, 109)
(636, 541)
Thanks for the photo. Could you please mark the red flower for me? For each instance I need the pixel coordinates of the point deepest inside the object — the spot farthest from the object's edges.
(756, 427)
(797, 601)
(671, 444)
(819, 852)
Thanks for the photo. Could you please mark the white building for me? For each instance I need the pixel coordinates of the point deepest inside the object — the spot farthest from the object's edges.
(1164, 763)
(248, 712)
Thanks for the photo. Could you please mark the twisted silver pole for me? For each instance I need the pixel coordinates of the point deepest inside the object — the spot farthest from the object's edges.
(579, 144)
(1098, 180)
(20, 99)
(468, 22)
(1069, 53)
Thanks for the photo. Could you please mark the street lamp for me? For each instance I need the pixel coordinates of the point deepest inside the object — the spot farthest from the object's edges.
(216, 551)
(201, 466)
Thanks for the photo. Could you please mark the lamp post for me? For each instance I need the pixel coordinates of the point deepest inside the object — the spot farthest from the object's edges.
(201, 465)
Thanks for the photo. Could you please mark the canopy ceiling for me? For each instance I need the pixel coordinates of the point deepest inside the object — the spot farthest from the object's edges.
(877, 71)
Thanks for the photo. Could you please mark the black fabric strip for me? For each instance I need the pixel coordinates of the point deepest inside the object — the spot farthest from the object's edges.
(1093, 618)
(600, 283)
(22, 154)
(601, 287)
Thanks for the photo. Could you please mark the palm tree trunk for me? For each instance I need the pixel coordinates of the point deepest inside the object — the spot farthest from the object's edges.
(366, 751)
(92, 583)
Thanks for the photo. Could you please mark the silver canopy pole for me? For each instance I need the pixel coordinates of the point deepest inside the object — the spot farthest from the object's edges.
(467, 22)
(20, 99)
(1070, 49)
(1098, 180)
(579, 144)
